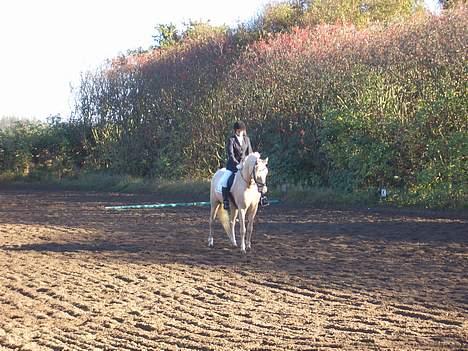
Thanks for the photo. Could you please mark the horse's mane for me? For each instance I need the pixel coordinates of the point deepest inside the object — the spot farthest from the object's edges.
(250, 160)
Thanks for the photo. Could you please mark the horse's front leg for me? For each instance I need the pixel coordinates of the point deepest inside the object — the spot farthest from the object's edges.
(242, 229)
(213, 212)
(251, 217)
(233, 226)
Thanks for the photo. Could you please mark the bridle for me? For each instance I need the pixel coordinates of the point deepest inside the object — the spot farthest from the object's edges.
(260, 185)
(253, 176)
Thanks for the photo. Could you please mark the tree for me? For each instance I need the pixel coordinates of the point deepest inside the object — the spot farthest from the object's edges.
(199, 30)
(166, 35)
(7, 121)
(281, 17)
(447, 4)
(358, 12)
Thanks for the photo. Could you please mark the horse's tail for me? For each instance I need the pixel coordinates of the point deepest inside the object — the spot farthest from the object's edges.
(223, 216)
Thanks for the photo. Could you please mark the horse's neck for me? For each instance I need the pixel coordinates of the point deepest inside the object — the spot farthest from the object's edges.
(246, 177)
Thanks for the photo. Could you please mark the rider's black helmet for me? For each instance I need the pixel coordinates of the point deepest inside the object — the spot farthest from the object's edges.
(239, 125)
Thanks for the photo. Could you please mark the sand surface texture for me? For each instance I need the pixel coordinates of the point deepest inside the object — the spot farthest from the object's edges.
(77, 277)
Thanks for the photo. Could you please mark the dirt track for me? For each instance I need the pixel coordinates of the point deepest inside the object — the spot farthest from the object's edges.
(77, 277)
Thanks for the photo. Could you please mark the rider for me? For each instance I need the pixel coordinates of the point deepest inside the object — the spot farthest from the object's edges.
(238, 148)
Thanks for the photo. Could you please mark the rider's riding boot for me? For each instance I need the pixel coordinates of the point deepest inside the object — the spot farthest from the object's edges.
(264, 201)
(225, 198)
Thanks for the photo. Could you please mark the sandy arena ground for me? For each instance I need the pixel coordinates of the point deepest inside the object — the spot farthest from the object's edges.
(77, 277)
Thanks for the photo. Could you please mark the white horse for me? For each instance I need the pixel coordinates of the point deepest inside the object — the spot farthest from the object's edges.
(246, 189)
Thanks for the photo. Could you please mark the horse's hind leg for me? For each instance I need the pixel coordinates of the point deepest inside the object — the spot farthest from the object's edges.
(213, 212)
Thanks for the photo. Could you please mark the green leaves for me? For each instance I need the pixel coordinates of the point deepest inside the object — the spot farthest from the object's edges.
(331, 105)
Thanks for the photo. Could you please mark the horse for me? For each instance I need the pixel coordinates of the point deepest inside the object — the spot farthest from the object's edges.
(249, 183)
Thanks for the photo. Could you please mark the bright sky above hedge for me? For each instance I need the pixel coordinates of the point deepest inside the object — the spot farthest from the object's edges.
(45, 44)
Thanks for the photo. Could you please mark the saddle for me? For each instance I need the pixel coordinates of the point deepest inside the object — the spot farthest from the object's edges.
(223, 181)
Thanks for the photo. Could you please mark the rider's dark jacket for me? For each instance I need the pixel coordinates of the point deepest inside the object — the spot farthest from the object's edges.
(237, 153)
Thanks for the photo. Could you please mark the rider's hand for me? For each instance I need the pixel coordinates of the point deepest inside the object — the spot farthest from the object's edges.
(239, 166)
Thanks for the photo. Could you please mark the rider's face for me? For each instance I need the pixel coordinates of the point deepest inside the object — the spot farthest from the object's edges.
(240, 132)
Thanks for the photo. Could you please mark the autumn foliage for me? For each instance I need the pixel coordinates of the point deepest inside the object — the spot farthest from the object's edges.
(332, 105)
(356, 109)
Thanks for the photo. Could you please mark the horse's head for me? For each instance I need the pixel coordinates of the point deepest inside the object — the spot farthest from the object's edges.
(260, 173)
(257, 169)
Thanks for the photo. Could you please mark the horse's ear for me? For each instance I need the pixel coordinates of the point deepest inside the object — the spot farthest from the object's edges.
(266, 161)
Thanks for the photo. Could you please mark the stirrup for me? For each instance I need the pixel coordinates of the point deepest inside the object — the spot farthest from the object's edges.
(264, 201)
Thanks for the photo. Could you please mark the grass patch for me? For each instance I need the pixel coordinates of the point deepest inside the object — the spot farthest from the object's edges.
(199, 190)
(396, 198)
(325, 197)
(91, 181)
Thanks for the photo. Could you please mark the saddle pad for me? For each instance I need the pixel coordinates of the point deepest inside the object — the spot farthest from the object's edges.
(223, 180)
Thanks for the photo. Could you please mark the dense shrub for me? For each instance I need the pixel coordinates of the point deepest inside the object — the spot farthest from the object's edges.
(353, 109)
(348, 107)
(333, 105)
(146, 110)
(34, 148)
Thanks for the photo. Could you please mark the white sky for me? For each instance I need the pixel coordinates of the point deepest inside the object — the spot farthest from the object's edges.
(45, 44)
